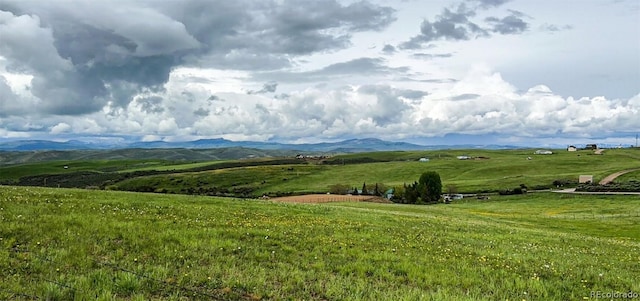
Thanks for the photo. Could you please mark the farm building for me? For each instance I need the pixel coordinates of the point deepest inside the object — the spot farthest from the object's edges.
(463, 157)
(424, 160)
(543, 152)
(585, 179)
(572, 148)
(591, 146)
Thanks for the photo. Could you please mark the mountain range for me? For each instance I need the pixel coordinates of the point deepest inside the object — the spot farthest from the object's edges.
(351, 145)
(17, 152)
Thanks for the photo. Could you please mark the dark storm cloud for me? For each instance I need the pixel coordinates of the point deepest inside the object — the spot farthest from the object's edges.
(512, 24)
(449, 25)
(388, 49)
(301, 27)
(367, 66)
(84, 54)
(456, 25)
(269, 87)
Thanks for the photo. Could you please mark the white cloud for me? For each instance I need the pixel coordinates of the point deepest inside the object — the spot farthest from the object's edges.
(60, 128)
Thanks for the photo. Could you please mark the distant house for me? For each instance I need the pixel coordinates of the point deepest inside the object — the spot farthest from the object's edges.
(591, 146)
(543, 152)
(388, 194)
(585, 179)
(424, 160)
(572, 148)
(66, 167)
(463, 157)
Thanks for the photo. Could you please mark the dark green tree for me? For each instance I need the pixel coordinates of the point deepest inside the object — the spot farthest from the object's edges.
(364, 189)
(430, 187)
(411, 193)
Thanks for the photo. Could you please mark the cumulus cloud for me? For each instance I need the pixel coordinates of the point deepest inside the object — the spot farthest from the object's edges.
(480, 103)
(84, 55)
(60, 128)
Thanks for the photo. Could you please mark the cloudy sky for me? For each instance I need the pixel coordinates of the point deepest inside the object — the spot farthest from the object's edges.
(493, 71)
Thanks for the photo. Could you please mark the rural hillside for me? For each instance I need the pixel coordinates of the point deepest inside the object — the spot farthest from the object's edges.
(221, 230)
(465, 171)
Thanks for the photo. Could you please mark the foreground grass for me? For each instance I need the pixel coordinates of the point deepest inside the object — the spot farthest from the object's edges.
(62, 244)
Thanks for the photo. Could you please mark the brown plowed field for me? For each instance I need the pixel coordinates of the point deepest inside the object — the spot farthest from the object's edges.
(328, 198)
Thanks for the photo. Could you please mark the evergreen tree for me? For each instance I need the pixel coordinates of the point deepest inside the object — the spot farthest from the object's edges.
(364, 189)
(411, 193)
(430, 187)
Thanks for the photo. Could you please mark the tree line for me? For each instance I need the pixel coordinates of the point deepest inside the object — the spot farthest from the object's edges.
(427, 190)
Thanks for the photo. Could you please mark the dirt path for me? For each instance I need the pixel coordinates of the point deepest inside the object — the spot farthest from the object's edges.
(328, 198)
(608, 179)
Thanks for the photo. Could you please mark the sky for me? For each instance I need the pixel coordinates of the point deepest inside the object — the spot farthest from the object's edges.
(469, 71)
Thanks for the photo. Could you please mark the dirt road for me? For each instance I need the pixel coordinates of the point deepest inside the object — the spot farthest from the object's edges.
(608, 179)
(327, 198)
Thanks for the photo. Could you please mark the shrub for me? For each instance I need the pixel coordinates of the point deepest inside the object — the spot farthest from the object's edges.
(517, 190)
(339, 189)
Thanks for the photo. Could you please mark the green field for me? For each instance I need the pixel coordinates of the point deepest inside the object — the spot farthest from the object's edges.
(64, 244)
(57, 167)
(632, 176)
(491, 172)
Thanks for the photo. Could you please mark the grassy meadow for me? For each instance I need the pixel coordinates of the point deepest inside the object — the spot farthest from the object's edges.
(69, 244)
(493, 170)
(16, 171)
(632, 176)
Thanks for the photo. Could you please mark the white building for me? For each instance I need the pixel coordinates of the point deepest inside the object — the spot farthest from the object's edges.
(543, 152)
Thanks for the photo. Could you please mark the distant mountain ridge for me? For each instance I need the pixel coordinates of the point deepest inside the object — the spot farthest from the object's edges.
(344, 146)
(351, 145)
